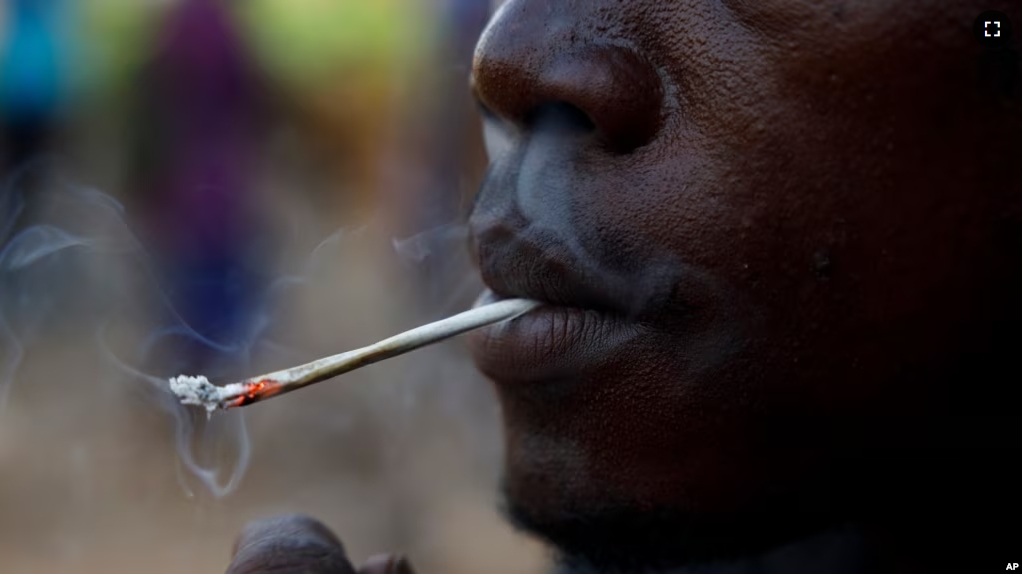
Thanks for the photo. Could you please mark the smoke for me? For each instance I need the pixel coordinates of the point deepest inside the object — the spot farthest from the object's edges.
(441, 258)
(70, 265)
(30, 259)
(541, 176)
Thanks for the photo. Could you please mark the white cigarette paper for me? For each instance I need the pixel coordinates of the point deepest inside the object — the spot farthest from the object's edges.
(200, 392)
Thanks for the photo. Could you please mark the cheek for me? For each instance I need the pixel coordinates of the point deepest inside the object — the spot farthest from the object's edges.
(661, 206)
(782, 256)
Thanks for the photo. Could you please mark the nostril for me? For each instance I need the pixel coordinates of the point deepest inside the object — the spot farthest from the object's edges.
(616, 88)
(558, 116)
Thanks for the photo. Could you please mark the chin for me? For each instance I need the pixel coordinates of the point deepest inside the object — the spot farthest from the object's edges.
(607, 537)
(594, 524)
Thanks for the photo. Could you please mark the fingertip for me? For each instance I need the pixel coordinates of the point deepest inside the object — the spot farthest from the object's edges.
(288, 543)
(286, 526)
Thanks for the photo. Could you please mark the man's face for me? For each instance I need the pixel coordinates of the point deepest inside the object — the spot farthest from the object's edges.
(771, 233)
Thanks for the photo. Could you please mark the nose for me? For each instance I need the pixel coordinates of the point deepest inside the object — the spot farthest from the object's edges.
(527, 62)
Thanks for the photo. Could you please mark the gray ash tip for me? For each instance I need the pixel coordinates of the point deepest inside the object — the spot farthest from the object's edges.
(197, 391)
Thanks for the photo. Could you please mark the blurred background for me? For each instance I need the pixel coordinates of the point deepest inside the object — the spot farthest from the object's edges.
(226, 187)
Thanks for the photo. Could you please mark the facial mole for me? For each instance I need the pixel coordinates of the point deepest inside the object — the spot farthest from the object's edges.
(839, 11)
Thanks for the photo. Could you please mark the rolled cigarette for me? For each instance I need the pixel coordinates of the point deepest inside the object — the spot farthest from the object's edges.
(200, 392)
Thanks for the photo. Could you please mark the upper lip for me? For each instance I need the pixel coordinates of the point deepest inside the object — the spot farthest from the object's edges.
(519, 261)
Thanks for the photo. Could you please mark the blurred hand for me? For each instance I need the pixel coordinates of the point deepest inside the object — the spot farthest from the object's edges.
(297, 544)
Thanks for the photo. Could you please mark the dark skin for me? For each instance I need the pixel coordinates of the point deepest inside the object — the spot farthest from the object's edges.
(778, 243)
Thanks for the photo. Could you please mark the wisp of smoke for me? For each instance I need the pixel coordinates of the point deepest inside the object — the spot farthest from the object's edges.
(543, 190)
(441, 256)
(75, 262)
(72, 267)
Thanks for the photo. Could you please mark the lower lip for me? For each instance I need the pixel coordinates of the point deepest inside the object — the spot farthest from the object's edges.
(550, 342)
